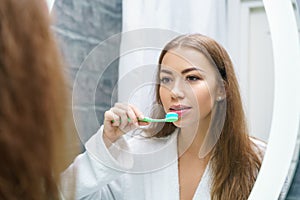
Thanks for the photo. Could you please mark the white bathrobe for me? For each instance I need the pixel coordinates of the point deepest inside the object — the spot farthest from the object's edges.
(133, 168)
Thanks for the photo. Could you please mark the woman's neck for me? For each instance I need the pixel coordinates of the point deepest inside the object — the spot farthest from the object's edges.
(191, 138)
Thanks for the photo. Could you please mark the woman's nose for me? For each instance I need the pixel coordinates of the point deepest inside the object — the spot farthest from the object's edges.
(177, 92)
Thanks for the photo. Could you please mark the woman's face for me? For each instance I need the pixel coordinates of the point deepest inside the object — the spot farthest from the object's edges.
(187, 85)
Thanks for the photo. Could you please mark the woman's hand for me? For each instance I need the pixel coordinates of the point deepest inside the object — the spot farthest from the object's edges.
(119, 120)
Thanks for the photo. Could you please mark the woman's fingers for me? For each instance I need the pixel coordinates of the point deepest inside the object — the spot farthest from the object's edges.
(111, 123)
(132, 117)
(132, 112)
(121, 119)
(128, 115)
(128, 110)
(139, 115)
(111, 119)
(122, 115)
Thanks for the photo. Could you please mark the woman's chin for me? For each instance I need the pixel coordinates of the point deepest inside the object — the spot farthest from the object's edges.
(177, 124)
(184, 122)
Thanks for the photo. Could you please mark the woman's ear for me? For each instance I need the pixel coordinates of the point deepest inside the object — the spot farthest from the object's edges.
(221, 91)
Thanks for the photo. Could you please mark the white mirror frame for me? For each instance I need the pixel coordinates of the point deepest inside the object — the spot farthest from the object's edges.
(285, 121)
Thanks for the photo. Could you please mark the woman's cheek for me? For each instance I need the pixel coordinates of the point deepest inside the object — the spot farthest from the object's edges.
(203, 101)
(163, 96)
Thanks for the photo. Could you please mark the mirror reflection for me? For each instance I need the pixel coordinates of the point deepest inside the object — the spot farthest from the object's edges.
(125, 64)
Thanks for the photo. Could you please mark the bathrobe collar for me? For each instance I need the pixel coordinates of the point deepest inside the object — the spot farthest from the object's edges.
(159, 163)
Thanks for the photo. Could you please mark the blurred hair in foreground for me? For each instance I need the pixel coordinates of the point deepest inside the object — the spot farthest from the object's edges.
(33, 103)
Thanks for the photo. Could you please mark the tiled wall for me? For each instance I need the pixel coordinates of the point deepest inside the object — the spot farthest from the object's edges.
(80, 27)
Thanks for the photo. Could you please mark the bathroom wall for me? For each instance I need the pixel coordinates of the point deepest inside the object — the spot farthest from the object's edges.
(82, 26)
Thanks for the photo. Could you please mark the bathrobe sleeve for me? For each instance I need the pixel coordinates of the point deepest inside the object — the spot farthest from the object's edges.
(88, 177)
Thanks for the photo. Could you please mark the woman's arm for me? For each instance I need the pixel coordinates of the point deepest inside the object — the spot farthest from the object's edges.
(93, 170)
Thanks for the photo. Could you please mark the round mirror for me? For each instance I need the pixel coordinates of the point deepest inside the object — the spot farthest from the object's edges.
(285, 121)
(283, 146)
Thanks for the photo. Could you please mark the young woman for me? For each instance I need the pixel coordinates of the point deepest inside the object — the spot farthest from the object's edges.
(33, 99)
(206, 154)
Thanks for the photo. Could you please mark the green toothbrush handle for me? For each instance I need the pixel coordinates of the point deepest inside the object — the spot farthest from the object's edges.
(170, 117)
(146, 119)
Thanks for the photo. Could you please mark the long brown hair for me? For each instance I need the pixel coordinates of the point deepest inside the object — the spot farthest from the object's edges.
(33, 100)
(235, 161)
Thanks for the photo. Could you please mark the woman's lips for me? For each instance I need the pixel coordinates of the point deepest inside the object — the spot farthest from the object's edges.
(180, 110)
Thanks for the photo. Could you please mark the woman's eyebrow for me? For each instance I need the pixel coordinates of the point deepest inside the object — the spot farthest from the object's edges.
(183, 71)
(166, 71)
(191, 69)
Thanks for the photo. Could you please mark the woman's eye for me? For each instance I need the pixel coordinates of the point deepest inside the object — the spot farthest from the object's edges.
(165, 80)
(193, 78)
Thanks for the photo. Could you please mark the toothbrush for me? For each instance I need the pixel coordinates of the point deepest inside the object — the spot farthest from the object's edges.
(170, 117)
